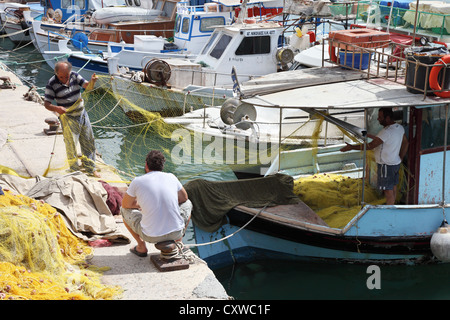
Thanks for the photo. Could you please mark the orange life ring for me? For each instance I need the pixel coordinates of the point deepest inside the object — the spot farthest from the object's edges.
(332, 53)
(434, 73)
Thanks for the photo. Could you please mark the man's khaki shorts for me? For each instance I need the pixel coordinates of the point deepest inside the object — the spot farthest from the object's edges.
(133, 217)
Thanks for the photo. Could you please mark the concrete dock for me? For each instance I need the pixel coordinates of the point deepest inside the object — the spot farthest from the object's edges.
(25, 148)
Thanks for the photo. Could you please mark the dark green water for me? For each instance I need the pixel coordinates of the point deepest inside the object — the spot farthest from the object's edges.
(273, 280)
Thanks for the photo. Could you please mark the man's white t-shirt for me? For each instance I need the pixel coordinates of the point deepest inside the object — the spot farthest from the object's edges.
(389, 151)
(157, 194)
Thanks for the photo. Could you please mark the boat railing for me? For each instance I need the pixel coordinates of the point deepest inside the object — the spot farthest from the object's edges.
(430, 18)
(397, 62)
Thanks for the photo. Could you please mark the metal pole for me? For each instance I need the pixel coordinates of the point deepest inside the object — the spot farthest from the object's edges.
(415, 23)
(445, 155)
(279, 140)
(364, 134)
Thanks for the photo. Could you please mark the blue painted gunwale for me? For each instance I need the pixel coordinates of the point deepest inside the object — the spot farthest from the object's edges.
(377, 234)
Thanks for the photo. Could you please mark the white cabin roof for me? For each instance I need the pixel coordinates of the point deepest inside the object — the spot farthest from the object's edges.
(356, 94)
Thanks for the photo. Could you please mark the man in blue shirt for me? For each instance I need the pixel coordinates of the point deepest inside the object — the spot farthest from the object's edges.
(65, 88)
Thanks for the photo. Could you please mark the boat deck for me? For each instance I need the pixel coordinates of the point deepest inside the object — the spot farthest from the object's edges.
(298, 215)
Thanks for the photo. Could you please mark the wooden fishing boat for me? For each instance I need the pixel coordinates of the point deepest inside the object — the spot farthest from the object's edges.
(256, 224)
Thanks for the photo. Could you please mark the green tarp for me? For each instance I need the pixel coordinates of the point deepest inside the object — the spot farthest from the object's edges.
(213, 199)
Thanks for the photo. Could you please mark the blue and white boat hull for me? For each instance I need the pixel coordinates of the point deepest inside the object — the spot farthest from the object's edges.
(383, 234)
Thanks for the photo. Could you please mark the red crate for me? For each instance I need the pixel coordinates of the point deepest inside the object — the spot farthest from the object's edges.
(365, 38)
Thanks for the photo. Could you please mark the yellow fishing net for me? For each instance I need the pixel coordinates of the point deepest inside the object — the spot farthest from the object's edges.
(335, 198)
(40, 258)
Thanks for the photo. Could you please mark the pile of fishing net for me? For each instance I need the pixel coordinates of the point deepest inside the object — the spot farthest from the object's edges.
(41, 259)
(335, 198)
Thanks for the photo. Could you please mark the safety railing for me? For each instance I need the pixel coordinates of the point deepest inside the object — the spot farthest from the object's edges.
(422, 69)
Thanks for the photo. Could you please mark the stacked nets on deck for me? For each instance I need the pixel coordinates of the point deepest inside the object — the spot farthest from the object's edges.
(40, 258)
(335, 198)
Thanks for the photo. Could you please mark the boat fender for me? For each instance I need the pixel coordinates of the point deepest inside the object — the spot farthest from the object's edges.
(80, 40)
(50, 13)
(440, 243)
(434, 75)
(312, 36)
(332, 53)
(58, 16)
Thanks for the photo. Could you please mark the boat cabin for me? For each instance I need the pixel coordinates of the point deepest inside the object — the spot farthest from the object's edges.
(61, 10)
(250, 48)
(195, 24)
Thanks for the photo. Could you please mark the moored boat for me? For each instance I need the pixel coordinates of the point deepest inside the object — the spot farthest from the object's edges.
(272, 218)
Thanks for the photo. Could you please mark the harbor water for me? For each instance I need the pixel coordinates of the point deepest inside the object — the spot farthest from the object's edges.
(262, 279)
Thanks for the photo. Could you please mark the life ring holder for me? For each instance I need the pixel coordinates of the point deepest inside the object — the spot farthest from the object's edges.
(434, 74)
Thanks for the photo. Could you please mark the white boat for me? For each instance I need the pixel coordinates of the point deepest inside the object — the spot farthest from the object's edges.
(87, 34)
(13, 20)
(194, 26)
(237, 123)
(265, 218)
(229, 47)
(191, 34)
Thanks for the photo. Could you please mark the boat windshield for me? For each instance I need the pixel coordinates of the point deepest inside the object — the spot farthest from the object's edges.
(210, 42)
(254, 45)
(433, 128)
(220, 46)
(207, 24)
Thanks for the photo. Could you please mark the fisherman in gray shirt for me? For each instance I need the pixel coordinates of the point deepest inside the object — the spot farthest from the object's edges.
(65, 88)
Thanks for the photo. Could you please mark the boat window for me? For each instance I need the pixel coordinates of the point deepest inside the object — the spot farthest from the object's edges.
(66, 3)
(178, 24)
(220, 46)
(254, 45)
(433, 128)
(159, 5)
(169, 9)
(206, 24)
(185, 25)
(210, 42)
(81, 4)
(137, 3)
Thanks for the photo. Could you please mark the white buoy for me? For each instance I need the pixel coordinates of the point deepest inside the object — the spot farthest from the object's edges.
(440, 243)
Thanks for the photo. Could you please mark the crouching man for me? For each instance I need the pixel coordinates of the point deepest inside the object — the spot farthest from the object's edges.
(155, 208)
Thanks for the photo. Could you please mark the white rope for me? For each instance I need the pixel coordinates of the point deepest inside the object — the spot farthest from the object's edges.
(108, 112)
(14, 33)
(230, 235)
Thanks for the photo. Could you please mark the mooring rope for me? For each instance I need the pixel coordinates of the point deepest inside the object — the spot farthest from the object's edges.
(230, 235)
